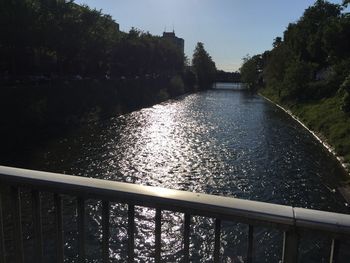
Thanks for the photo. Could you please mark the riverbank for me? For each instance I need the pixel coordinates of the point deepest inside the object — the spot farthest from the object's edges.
(33, 113)
(327, 123)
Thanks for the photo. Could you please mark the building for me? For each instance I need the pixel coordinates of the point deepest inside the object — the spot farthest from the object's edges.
(179, 42)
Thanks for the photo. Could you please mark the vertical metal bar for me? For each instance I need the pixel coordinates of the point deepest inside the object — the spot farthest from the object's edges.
(38, 237)
(334, 251)
(158, 233)
(16, 206)
(59, 229)
(187, 238)
(290, 246)
(217, 240)
(105, 231)
(81, 229)
(2, 237)
(250, 244)
(131, 230)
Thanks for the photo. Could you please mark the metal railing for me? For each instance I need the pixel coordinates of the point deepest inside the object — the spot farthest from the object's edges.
(286, 218)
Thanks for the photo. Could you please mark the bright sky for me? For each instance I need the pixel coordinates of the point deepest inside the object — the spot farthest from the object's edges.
(229, 29)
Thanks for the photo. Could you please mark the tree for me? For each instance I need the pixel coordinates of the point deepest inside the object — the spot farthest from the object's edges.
(251, 71)
(311, 60)
(203, 66)
(276, 65)
(277, 42)
(296, 79)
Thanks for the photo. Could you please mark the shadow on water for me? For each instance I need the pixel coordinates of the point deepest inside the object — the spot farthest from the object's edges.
(221, 142)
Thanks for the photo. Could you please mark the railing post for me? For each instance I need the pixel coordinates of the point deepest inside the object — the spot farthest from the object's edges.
(38, 237)
(81, 229)
(250, 244)
(334, 251)
(187, 222)
(2, 237)
(131, 232)
(105, 231)
(59, 229)
(217, 240)
(16, 206)
(290, 246)
(158, 233)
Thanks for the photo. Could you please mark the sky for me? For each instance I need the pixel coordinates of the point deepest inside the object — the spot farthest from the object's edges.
(229, 29)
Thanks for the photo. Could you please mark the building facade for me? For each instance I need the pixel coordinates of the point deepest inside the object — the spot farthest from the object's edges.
(179, 42)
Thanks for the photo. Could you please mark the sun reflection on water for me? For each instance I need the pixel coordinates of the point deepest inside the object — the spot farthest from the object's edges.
(215, 142)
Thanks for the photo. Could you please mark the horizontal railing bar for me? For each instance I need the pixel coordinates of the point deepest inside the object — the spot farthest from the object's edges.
(202, 204)
(320, 220)
(149, 196)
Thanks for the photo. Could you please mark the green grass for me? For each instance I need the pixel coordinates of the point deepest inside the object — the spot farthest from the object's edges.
(324, 117)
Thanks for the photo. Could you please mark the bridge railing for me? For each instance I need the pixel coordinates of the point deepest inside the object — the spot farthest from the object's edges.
(285, 218)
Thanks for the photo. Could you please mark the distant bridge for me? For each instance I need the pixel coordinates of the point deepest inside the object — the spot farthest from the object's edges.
(229, 86)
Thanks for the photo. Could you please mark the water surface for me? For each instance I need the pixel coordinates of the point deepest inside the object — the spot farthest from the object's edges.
(221, 142)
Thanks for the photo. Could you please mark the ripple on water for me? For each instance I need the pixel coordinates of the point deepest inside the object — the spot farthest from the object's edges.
(219, 142)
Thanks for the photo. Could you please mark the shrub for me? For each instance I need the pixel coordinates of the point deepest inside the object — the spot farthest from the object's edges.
(177, 86)
(345, 87)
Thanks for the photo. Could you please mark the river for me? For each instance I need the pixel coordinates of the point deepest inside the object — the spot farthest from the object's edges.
(223, 142)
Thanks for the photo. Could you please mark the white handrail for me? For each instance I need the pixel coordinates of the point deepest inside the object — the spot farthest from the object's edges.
(175, 200)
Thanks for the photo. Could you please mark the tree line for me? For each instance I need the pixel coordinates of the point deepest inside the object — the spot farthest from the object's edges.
(308, 71)
(311, 61)
(63, 64)
(50, 39)
(60, 38)
(64, 38)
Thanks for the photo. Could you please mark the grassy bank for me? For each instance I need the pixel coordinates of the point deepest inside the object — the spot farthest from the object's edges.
(324, 117)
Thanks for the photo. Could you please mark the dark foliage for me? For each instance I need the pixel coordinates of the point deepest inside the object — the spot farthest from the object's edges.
(59, 38)
(308, 72)
(63, 64)
(203, 66)
(311, 61)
